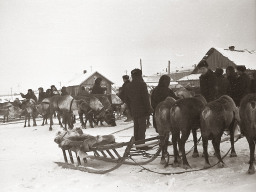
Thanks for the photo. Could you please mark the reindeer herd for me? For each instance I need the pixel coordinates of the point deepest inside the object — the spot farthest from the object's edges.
(180, 117)
(65, 108)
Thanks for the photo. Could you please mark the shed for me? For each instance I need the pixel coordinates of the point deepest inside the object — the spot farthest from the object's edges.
(87, 80)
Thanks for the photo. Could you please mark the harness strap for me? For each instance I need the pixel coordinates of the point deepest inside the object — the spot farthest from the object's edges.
(98, 112)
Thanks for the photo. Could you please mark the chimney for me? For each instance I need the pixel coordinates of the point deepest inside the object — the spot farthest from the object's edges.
(231, 48)
(169, 67)
(85, 71)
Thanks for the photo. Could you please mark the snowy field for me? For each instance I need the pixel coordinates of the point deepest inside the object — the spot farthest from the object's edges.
(28, 154)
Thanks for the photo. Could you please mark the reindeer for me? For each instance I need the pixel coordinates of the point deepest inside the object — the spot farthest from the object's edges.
(218, 116)
(247, 114)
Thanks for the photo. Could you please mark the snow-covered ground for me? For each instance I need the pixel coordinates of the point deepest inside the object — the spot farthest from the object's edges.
(27, 157)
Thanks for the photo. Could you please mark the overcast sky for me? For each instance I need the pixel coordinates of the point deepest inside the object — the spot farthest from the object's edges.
(44, 42)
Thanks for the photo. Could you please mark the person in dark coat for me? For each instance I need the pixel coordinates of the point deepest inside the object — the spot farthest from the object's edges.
(137, 100)
(207, 81)
(122, 89)
(54, 90)
(97, 89)
(48, 93)
(64, 91)
(29, 95)
(232, 79)
(243, 84)
(41, 95)
(253, 83)
(222, 83)
(160, 93)
(83, 91)
(122, 97)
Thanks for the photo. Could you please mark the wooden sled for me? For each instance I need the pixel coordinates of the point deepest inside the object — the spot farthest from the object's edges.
(103, 151)
(108, 153)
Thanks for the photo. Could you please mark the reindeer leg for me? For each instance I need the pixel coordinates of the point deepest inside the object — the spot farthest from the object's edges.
(28, 120)
(34, 120)
(206, 156)
(251, 143)
(195, 153)
(216, 145)
(43, 120)
(232, 132)
(51, 122)
(25, 121)
(82, 120)
(183, 140)
(58, 117)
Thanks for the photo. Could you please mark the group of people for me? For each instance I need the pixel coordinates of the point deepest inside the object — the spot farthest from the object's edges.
(234, 84)
(213, 85)
(96, 89)
(42, 95)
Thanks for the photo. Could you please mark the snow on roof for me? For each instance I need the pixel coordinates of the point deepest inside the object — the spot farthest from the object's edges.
(156, 83)
(240, 57)
(190, 77)
(80, 78)
(152, 79)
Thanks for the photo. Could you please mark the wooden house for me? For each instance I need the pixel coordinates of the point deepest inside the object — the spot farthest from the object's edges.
(87, 80)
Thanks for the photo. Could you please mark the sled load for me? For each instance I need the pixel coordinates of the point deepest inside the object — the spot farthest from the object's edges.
(84, 147)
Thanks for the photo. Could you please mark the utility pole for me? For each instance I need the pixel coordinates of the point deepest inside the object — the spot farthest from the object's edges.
(11, 92)
(169, 67)
(141, 65)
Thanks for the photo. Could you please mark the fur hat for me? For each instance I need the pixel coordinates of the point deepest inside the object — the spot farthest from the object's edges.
(136, 72)
(202, 63)
(219, 71)
(241, 68)
(126, 77)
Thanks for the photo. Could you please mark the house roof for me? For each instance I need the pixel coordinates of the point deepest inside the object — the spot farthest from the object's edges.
(240, 57)
(152, 79)
(78, 79)
(219, 57)
(190, 77)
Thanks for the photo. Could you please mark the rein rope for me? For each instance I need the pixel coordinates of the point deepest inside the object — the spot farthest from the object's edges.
(181, 172)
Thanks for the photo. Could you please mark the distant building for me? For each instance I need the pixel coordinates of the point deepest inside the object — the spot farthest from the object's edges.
(10, 98)
(87, 80)
(222, 58)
